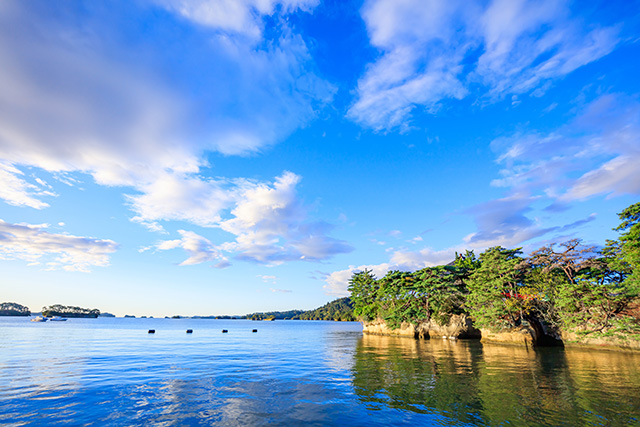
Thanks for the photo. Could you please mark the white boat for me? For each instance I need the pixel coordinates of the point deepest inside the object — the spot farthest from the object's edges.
(57, 319)
(39, 319)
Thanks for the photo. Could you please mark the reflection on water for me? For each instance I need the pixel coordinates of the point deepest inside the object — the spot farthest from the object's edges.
(111, 372)
(496, 384)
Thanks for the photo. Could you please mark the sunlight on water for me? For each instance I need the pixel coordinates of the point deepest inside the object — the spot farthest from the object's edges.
(112, 372)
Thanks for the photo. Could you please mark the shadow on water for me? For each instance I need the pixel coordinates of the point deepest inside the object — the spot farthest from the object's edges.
(491, 384)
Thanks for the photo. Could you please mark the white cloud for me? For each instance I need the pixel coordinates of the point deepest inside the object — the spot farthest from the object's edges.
(429, 53)
(596, 153)
(237, 16)
(338, 281)
(32, 243)
(199, 248)
(15, 191)
(620, 175)
(282, 291)
(73, 100)
(267, 278)
(181, 197)
(270, 226)
(427, 257)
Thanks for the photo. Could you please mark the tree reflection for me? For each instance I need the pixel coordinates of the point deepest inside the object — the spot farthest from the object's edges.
(495, 384)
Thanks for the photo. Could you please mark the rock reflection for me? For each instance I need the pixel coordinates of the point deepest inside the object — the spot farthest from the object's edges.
(495, 384)
(434, 376)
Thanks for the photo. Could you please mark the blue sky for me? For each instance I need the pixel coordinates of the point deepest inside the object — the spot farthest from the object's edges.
(163, 157)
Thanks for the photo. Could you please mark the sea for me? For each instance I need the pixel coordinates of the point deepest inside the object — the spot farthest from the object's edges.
(112, 372)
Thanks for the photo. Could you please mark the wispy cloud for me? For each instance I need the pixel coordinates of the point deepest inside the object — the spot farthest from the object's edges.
(434, 51)
(242, 17)
(199, 248)
(32, 243)
(268, 278)
(596, 153)
(282, 291)
(16, 191)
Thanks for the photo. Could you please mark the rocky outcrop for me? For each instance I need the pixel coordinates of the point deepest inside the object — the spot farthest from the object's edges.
(532, 332)
(521, 336)
(459, 327)
(622, 342)
(379, 327)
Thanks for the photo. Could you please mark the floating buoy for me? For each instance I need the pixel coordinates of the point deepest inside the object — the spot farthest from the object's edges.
(255, 330)
(152, 331)
(224, 331)
(189, 331)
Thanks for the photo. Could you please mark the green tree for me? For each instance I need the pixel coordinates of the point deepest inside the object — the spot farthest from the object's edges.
(364, 294)
(628, 247)
(442, 291)
(582, 285)
(496, 298)
(13, 309)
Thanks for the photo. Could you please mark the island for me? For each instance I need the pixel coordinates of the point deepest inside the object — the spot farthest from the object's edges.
(14, 309)
(340, 309)
(69, 311)
(565, 294)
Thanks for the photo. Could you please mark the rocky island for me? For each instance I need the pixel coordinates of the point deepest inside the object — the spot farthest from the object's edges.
(69, 311)
(566, 294)
(14, 309)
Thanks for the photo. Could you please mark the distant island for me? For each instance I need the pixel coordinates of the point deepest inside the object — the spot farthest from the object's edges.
(340, 309)
(14, 309)
(69, 311)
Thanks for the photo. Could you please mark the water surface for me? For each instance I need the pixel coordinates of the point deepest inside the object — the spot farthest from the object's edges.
(112, 372)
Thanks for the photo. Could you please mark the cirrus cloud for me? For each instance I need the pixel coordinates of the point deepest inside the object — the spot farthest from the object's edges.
(432, 51)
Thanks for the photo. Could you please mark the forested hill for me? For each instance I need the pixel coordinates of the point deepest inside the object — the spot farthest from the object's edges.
(340, 309)
(273, 315)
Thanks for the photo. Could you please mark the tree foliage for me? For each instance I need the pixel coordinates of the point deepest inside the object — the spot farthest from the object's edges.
(69, 311)
(13, 309)
(430, 293)
(340, 309)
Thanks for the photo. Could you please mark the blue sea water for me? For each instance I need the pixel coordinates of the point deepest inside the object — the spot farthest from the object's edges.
(110, 371)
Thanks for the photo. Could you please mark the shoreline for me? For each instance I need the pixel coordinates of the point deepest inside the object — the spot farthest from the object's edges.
(460, 329)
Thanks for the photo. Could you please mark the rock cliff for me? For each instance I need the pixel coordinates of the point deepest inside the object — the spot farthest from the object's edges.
(459, 327)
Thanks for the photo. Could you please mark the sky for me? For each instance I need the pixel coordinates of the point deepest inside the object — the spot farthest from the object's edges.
(211, 157)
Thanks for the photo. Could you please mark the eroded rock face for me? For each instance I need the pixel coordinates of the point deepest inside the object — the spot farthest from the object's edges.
(379, 327)
(522, 335)
(573, 339)
(459, 326)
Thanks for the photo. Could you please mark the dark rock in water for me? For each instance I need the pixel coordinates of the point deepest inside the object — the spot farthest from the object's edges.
(255, 330)
(224, 331)
(189, 331)
(152, 331)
